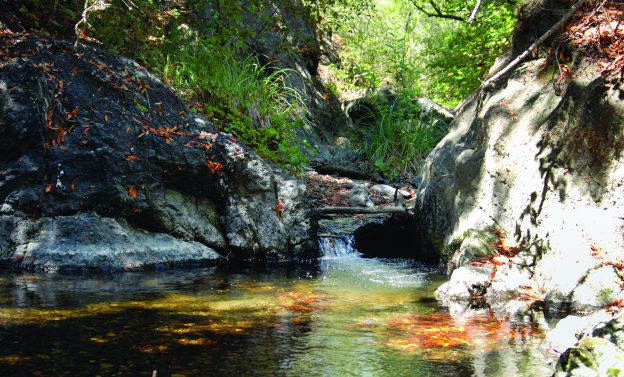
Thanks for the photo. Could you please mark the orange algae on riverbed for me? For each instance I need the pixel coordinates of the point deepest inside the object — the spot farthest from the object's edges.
(440, 335)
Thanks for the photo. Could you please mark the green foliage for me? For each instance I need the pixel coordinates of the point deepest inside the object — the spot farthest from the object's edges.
(459, 10)
(465, 52)
(396, 138)
(210, 67)
(241, 97)
(339, 9)
(394, 43)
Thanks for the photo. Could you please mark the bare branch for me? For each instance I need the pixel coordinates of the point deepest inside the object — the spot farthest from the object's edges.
(438, 12)
(473, 14)
(89, 5)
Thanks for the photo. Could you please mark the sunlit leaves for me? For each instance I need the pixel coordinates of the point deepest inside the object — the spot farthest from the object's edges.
(399, 46)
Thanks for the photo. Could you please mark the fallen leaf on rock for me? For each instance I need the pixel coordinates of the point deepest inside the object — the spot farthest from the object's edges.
(132, 191)
(278, 209)
(500, 260)
(214, 166)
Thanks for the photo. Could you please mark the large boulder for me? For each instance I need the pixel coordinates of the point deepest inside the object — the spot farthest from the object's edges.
(541, 159)
(104, 166)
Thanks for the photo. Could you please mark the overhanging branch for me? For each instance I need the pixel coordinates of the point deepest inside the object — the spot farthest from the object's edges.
(437, 12)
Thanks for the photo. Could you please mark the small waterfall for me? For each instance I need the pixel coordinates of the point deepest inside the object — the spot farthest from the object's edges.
(336, 245)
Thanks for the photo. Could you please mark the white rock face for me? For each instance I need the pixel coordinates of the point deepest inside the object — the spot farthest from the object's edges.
(544, 166)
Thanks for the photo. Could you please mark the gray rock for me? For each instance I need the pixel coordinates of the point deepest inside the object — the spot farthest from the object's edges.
(518, 157)
(508, 283)
(385, 191)
(296, 217)
(504, 286)
(570, 329)
(475, 246)
(150, 171)
(359, 197)
(88, 241)
(598, 287)
(189, 218)
(416, 181)
(461, 282)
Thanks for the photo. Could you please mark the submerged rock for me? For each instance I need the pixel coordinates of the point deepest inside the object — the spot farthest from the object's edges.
(94, 144)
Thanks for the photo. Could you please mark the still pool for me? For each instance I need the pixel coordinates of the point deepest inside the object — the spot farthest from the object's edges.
(342, 316)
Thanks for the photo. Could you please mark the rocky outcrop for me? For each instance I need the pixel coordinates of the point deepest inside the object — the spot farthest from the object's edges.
(588, 346)
(103, 166)
(540, 158)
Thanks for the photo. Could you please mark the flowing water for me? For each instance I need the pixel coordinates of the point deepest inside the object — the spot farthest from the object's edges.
(342, 316)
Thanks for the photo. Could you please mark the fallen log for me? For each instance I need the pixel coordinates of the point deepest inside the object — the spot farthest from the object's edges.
(362, 210)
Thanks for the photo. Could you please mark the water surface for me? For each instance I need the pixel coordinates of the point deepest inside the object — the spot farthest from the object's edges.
(345, 316)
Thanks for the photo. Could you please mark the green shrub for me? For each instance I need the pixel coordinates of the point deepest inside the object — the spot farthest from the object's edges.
(215, 74)
(241, 97)
(396, 138)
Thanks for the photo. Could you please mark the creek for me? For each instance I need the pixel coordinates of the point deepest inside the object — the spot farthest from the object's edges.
(340, 316)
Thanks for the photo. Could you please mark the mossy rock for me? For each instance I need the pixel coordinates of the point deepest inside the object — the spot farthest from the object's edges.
(591, 357)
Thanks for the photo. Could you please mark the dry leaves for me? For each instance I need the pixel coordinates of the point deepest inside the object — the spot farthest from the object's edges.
(132, 191)
(598, 31)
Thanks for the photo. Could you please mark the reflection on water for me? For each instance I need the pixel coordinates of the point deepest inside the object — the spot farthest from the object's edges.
(345, 316)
